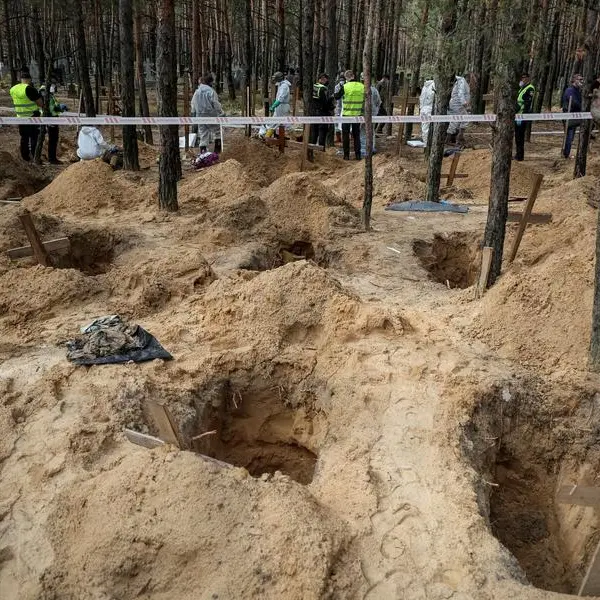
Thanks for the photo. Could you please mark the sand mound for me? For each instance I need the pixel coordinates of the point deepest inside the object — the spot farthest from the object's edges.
(18, 178)
(540, 311)
(227, 179)
(301, 207)
(37, 291)
(477, 164)
(118, 548)
(297, 303)
(88, 188)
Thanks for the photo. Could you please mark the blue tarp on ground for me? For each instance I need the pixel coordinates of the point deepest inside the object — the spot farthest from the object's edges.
(421, 206)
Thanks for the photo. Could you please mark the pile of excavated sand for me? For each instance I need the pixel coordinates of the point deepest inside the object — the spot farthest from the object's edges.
(391, 182)
(18, 178)
(176, 526)
(539, 313)
(89, 188)
(477, 164)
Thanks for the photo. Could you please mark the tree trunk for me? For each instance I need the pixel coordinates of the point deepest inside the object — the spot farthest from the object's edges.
(281, 36)
(308, 65)
(166, 67)
(444, 79)
(594, 358)
(229, 52)
(512, 28)
(130, 146)
(349, 30)
(196, 43)
(82, 60)
(10, 45)
(586, 127)
(331, 64)
(140, 76)
(370, 10)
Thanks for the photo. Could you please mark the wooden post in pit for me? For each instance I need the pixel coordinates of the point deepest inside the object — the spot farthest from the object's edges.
(453, 168)
(110, 107)
(537, 184)
(186, 111)
(584, 496)
(305, 137)
(34, 239)
(167, 428)
(484, 273)
(281, 139)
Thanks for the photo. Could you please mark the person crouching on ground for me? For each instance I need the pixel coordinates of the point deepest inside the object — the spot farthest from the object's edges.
(91, 145)
(27, 102)
(205, 103)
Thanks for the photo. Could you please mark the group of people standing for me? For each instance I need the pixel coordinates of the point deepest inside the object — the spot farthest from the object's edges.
(29, 102)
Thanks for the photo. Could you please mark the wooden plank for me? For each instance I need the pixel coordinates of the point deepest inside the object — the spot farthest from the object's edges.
(484, 273)
(590, 586)
(581, 495)
(281, 139)
(141, 439)
(517, 199)
(34, 239)
(50, 246)
(453, 167)
(456, 175)
(515, 216)
(537, 184)
(164, 423)
(305, 137)
(403, 105)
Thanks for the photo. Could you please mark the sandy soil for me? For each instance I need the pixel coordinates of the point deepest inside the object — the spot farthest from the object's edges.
(389, 435)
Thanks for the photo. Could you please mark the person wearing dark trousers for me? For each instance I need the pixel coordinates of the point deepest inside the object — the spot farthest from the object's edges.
(571, 102)
(27, 102)
(383, 87)
(352, 95)
(321, 105)
(55, 109)
(524, 107)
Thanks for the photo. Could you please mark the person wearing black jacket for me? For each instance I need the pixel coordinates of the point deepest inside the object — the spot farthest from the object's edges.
(321, 105)
(524, 107)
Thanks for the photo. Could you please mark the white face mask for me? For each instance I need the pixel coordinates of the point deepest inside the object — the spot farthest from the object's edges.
(521, 84)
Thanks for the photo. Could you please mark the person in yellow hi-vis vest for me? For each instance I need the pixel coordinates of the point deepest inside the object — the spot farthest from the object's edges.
(352, 95)
(27, 102)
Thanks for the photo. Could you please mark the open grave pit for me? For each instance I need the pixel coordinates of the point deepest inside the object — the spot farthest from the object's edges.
(451, 259)
(524, 449)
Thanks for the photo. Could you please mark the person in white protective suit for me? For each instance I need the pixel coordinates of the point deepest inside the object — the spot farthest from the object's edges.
(91, 145)
(281, 104)
(426, 101)
(375, 106)
(460, 104)
(338, 106)
(205, 103)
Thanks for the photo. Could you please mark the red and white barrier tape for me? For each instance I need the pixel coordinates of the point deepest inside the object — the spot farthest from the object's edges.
(275, 121)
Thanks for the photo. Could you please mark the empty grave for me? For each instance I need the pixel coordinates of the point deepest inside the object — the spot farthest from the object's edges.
(451, 259)
(523, 451)
(278, 254)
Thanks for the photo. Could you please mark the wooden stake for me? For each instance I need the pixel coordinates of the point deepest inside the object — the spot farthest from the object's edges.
(60, 244)
(484, 273)
(453, 167)
(537, 184)
(141, 439)
(281, 139)
(34, 239)
(305, 136)
(167, 428)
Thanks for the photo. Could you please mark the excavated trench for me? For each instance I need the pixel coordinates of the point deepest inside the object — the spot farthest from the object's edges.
(524, 448)
(92, 252)
(452, 259)
(280, 253)
(262, 427)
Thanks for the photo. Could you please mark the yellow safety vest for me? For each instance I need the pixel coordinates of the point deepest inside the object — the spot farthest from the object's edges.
(24, 107)
(521, 98)
(354, 99)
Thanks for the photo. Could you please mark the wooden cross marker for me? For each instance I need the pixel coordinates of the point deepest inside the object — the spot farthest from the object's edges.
(525, 219)
(584, 496)
(34, 239)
